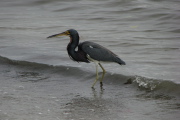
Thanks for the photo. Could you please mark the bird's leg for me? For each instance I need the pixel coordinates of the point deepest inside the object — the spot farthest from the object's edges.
(97, 76)
(104, 71)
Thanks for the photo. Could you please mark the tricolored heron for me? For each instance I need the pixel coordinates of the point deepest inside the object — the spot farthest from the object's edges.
(88, 51)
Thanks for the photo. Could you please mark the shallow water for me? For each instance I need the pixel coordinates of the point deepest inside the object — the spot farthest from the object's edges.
(39, 81)
(40, 91)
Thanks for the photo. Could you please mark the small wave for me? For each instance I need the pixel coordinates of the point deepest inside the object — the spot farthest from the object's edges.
(43, 68)
(163, 86)
(4, 60)
(143, 83)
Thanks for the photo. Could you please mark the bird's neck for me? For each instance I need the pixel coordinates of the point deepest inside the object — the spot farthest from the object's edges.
(74, 41)
(76, 55)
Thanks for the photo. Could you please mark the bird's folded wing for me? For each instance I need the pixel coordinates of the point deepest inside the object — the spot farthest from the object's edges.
(97, 52)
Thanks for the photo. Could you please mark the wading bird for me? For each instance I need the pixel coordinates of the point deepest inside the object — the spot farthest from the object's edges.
(89, 51)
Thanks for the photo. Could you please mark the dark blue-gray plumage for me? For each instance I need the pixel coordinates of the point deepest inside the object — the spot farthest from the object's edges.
(88, 51)
(99, 53)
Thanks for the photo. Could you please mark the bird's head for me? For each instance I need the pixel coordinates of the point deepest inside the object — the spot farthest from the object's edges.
(70, 32)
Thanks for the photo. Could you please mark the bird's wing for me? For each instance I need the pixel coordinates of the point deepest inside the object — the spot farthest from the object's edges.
(98, 52)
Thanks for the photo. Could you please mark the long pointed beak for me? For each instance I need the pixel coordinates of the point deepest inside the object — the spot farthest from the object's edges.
(57, 35)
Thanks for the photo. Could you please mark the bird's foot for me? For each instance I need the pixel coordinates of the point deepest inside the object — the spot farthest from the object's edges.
(93, 87)
(101, 84)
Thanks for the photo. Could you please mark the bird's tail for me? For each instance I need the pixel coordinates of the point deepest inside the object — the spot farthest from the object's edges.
(119, 61)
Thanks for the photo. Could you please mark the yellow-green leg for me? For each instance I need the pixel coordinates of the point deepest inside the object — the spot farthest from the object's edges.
(104, 71)
(97, 76)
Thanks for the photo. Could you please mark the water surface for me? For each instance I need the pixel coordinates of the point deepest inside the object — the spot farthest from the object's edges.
(39, 81)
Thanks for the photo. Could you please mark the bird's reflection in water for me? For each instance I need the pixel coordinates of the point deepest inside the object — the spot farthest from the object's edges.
(97, 95)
